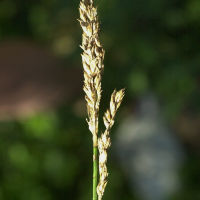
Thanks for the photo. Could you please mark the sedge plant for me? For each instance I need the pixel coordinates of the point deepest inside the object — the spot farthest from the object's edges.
(93, 67)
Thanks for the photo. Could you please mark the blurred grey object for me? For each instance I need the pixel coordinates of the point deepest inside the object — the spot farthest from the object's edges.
(149, 152)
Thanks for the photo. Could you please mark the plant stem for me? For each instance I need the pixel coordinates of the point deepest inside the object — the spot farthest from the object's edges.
(95, 172)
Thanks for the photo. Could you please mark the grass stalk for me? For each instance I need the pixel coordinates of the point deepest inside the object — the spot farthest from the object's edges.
(92, 59)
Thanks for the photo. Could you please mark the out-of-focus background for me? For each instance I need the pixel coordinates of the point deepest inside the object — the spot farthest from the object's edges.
(152, 48)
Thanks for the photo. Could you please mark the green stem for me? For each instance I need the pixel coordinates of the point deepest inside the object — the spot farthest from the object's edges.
(95, 172)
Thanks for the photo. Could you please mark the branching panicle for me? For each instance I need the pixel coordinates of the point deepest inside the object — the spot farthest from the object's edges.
(92, 59)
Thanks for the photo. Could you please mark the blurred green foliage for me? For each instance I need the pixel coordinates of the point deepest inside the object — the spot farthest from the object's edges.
(150, 45)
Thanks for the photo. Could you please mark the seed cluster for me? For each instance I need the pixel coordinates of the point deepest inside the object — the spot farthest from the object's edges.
(92, 59)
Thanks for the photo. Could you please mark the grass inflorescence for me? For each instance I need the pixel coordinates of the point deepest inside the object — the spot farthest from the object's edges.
(93, 67)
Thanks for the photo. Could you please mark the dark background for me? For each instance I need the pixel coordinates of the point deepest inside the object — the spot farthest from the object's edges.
(151, 45)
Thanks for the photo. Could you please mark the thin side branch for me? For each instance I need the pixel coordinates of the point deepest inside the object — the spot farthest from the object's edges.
(104, 141)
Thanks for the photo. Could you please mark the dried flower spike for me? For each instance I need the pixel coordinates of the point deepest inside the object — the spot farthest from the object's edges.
(92, 59)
